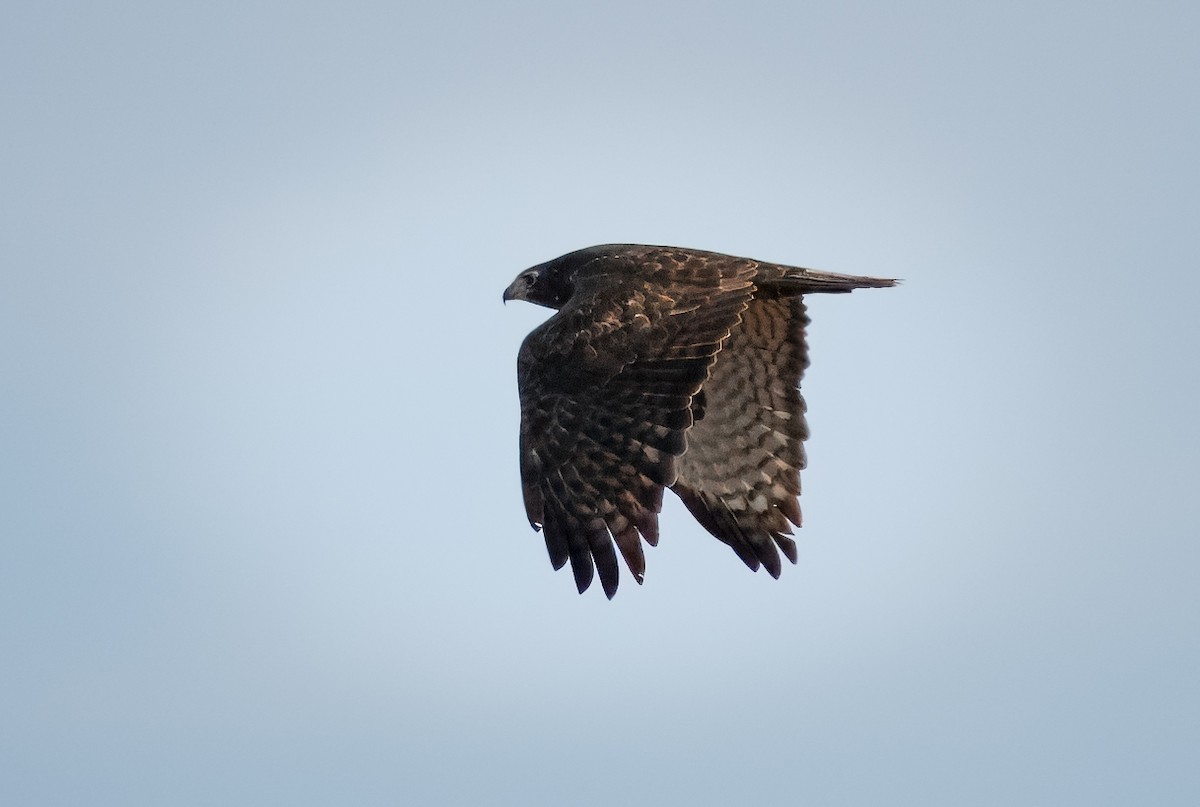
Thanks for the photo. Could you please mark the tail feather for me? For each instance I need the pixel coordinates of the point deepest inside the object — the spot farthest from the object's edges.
(795, 280)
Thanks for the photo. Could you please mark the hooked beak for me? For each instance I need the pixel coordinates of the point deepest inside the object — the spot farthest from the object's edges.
(519, 288)
(510, 293)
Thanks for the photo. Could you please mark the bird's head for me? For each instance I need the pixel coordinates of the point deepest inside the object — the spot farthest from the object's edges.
(552, 283)
(549, 284)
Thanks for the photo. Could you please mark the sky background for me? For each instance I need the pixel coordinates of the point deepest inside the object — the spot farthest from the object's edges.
(261, 533)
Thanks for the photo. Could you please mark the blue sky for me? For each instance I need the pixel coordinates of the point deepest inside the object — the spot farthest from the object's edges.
(261, 535)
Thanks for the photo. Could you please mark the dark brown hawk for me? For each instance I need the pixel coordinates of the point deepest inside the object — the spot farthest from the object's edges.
(664, 367)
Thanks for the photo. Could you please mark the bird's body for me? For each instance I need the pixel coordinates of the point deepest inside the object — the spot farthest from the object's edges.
(664, 367)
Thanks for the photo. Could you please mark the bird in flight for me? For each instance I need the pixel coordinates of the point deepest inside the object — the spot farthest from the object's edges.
(664, 368)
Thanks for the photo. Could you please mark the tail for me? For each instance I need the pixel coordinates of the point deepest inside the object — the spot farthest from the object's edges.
(795, 280)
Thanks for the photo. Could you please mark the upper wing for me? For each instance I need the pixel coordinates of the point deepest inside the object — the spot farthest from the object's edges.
(606, 394)
(740, 476)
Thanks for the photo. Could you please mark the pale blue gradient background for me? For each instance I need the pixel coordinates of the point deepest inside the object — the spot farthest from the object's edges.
(261, 537)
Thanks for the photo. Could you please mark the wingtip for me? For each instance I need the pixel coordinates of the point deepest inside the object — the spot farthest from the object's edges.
(609, 583)
(787, 546)
(610, 590)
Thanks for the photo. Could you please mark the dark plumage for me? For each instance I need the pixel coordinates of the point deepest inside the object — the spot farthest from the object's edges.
(664, 367)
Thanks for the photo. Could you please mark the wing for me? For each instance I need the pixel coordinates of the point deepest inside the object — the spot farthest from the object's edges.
(606, 395)
(740, 476)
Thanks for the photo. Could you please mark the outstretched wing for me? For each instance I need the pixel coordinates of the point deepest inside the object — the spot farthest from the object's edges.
(740, 476)
(606, 397)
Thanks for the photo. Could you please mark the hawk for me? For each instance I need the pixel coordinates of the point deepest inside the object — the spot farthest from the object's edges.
(664, 368)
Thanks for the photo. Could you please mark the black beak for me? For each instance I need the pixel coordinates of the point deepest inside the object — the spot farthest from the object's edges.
(514, 291)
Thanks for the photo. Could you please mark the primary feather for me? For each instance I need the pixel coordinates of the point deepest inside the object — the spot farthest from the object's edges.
(664, 367)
